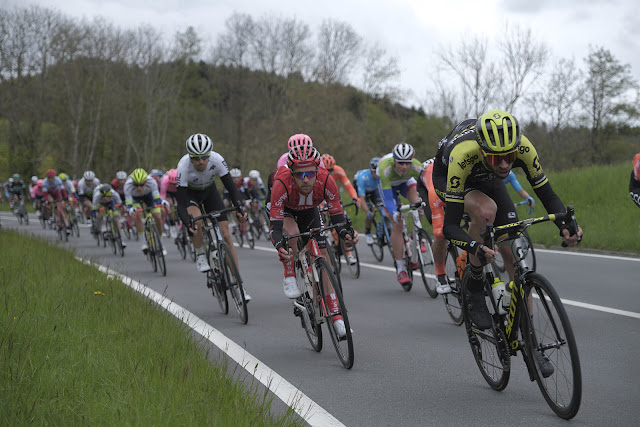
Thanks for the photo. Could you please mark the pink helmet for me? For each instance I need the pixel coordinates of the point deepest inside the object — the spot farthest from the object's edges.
(299, 139)
(39, 183)
(303, 156)
(173, 176)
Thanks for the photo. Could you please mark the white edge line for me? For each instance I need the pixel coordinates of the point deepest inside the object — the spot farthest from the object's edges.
(586, 254)
(564, 301)
(306, 408)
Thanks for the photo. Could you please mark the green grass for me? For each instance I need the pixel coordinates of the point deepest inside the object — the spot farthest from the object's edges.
(600, 196)
(77, 348)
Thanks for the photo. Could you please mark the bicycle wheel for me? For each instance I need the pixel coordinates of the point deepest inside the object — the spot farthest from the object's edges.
(117, 237)
(546, 328)
(251, 238)
(180, 242)
(233, 281)
(264, 223)
(354, 269)
(237, 233)
(158, 251)
(531, 254)
(387, 236)
(453, 300)
(489, 347)
(256, 227)
(343, 345)
(335, 262)
(215, 281)
(376, 246)
(18, 213)
(425, 262)
(151, 253)
(309, 313)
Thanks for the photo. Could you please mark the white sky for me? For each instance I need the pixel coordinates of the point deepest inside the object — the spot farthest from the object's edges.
(409, 29)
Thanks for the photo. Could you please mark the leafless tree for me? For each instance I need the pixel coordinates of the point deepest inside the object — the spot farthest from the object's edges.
(380, 72)
(233, 48)
(337, 52)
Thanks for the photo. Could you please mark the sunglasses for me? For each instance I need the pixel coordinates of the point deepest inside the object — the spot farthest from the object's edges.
(139, 185)
(196, 158)
(303, 175)
(404, 162)
(496, 159)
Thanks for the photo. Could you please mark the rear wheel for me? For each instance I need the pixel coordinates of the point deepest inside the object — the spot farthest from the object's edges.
(354, 269)
(376, 247)
(158, 252)
(453, 300)
(425, 262)
(233, 282)
(342, 344)
(546, 329)
(489, 347)
(215, 282)
(180, 242)
(335, 262)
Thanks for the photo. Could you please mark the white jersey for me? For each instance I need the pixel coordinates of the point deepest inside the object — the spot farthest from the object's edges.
(131, 191)
(189, 177)
(85, 189)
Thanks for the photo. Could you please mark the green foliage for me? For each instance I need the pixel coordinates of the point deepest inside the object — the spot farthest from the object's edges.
(78, 348)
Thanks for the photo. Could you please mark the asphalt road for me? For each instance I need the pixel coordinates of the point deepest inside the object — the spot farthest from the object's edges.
(412, 365)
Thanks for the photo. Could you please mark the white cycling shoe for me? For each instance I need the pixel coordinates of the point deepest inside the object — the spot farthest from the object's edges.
(340, 328)
(202, 263)
(291, 289)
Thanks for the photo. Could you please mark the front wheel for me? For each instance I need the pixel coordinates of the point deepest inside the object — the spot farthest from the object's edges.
(453, 300)
(354, 268)
(233, 282)
(342, 344)
(489, 346)
(376, 246)
(547, 331)
(216, 282)
(424, 258)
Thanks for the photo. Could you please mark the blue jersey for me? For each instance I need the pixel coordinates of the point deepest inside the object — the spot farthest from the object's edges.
(365, 183)
(511, 179)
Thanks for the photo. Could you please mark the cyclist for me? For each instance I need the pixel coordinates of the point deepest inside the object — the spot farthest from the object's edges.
(140, 188)
(238, 182)
(398, 172)
(434, 210)
(157, 175)
(254, 186)
(634, 182)
(297, 192)
(16, 191)
(105, 198)
(118, 183)
(86, 186)
(367, 185)
(196, 171)
(168, 187)
(511, 179)
(38, 197)
(55, 190)
(339, 175)
(71, 190)
(471, 165)
(34, 181)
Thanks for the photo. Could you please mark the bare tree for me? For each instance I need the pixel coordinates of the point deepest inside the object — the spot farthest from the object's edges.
(525, 61)
(606, 88)
(479, 76)
(233, 47)
(380, 71)
(338, 50)
(297, 53)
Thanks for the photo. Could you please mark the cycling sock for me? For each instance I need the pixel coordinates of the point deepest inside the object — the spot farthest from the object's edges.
(400, 265)
(200, 250)
(289, 270)
(440, 269)
(475, 280)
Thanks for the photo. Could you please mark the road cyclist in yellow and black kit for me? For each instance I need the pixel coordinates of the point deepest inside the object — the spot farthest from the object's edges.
(634, 182)
(398, 172)
(140, 189)
(468, 174)
(196, 172)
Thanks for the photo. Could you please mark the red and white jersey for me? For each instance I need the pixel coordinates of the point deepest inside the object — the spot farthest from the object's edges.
(284, 193)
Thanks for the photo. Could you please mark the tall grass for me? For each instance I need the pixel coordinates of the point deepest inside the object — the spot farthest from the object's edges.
(77, 348)
(600, 196)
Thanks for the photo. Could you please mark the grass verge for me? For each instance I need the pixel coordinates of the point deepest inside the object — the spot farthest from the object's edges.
(77, 348)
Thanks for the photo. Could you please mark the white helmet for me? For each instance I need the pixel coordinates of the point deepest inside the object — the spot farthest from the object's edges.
(121, 175)
(89, 175)
(403, 151)
(254, 174)
(235, 173)
(34, 179)
(428, 162)
(199, 144)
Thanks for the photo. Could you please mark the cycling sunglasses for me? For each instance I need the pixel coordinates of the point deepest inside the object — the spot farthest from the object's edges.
(404, 162)
(303, 175)
(196, 158)
(496, 159)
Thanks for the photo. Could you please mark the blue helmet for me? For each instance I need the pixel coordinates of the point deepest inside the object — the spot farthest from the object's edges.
(374, 162)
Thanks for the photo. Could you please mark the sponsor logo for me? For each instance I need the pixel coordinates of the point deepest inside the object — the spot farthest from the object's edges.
(522, 149)
(280, 201)
(470, 160)
(454, 182)
(511, 215)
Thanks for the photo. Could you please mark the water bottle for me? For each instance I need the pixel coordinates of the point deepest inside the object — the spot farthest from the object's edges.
(506, 299)
(497, 289)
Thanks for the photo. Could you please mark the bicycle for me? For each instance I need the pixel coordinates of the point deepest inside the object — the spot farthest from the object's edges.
(258, 220)
(112, 233)
(21, 212)
(340, 248)
(316, 279)
(382, 237)
(417, 249)
(332, 249)
(546, 333)
(526, 241)
(73, 220)
(60, 221)
(184, 243)
(239, 231)
(224, 272)
(155, 251)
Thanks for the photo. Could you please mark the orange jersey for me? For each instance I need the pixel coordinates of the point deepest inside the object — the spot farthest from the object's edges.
(341, 176)
(636, 166)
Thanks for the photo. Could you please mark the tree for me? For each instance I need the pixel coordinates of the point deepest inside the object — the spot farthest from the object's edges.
(338, 50)
(606, 93)
(379, 72)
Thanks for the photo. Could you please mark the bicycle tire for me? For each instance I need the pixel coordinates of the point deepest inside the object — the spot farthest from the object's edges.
(310, 318)
(115, 232)
(19, 215)
(547, 327)
(453, 300)
(180, 243)
(425, 262)
(531, 254)
(158, 250)
(251, 239)
(376, 246)
(264, 223)
(355, 268)
(151, 253)
(387, 236)
(214, 281)
(343, 345)
(238, 234)
(233, 282)
(335, 262)
(489, 347)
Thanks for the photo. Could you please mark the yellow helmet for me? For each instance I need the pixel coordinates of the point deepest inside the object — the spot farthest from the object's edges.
(139, 176)
(497, 132)
(63, 176)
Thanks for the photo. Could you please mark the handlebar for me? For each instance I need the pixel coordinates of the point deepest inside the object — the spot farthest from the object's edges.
(416, 205)
(216, 214)
(312, 233)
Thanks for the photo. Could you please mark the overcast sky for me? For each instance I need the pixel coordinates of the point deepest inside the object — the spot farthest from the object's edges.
(409, 29)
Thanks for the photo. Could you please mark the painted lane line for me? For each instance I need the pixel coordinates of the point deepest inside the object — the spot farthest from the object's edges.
(306, 408)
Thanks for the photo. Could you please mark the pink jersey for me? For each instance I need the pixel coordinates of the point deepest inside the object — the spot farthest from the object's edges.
(36, 191)
(166, 183)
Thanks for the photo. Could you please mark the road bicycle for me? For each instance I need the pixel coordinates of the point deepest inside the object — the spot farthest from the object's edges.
(154, 253)
(20, 211)
(526, 241)
(242, 232)
(536, 324)
(73, 220)
(112, 231)
(258, 220)
(184, 243)
(224, 274)
(417, 253)
(332, 248)
(61, 221)
(317, 280)
(382, 237)
(340, 248)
